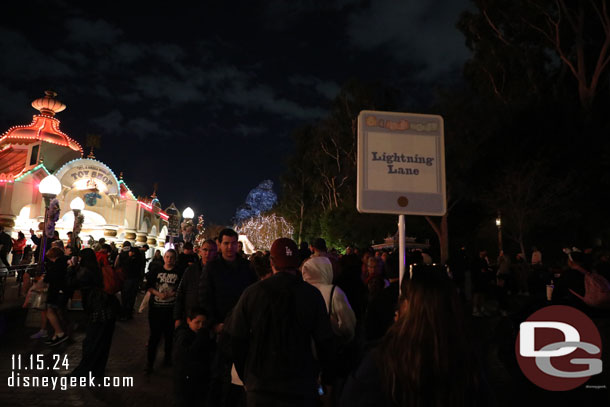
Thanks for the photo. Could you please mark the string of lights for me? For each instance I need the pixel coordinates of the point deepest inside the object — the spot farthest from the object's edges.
(263, 230)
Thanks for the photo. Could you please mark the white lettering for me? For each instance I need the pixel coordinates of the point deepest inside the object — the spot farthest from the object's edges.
(527, 343)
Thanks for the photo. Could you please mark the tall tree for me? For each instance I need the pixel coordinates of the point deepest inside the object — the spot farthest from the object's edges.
(319, 188)
(521, 47)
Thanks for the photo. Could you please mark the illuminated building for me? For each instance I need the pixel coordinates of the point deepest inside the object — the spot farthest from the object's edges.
(30, 153)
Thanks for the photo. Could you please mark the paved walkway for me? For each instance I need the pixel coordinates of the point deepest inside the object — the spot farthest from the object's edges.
(494, 338)
(127, 359)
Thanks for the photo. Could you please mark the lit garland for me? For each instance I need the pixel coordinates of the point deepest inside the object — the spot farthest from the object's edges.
(200, 238)
(124, 185)
(39, 131)
(78, 224)
(263, 230)
(76, 229)
(19, 177)
(52, 218)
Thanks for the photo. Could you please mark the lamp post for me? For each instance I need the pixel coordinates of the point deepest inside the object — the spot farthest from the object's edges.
(499, 225)
(188, 213)
(187, 226)
(49, 187)
(77, 205)
(173, 223)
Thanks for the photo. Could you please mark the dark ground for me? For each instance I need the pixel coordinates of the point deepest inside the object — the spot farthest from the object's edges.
(494, 337)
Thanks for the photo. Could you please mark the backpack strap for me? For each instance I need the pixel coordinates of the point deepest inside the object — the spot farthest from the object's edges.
(330, 305)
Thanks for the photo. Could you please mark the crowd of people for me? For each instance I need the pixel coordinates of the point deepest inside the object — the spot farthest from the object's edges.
(561, 281)
(297, 326)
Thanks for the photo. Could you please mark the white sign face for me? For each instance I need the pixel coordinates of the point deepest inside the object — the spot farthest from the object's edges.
(86, 173)
(401, 163)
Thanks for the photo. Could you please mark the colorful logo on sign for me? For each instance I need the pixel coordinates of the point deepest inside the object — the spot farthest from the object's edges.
(559, 348)
(91, 198)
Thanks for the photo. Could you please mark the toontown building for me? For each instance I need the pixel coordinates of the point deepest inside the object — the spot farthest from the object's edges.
(29, 153)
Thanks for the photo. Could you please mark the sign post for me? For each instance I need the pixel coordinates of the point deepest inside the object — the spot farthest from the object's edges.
(401, 167)
(173, 223)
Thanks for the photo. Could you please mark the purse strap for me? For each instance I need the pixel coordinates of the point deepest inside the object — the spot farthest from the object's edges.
(330, 305)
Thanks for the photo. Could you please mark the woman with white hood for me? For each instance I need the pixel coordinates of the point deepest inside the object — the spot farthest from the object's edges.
(318, 271)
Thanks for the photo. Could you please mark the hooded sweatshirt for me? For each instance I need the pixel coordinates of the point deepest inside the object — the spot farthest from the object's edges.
(318, 271)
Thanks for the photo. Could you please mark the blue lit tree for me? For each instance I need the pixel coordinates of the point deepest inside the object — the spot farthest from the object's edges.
(259, 200)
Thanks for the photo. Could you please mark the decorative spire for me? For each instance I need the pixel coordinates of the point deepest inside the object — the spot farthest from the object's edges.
(48, 105)
(121, 176)
(154, 194)
(93, 141)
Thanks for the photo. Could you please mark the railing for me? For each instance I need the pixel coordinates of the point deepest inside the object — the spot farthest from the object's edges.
(19, 271)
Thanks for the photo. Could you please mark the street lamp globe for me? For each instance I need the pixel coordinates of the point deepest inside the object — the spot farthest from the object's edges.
(498, 221)
(50, 185)
(188, 213)
(77, 204)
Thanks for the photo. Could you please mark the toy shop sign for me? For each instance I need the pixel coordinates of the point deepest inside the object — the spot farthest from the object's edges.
(88, 174)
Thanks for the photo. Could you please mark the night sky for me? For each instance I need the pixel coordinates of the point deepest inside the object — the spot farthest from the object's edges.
(203, 99)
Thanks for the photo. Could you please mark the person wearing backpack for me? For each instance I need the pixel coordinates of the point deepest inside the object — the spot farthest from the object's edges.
(113, 278)
(101, 310)
(318, 271)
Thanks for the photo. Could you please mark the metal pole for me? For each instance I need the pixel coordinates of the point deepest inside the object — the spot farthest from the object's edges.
(75, 248)
(401, 250)
(43, 239)
(500, 237)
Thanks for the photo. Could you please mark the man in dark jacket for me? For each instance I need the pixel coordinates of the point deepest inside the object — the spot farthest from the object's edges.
(187, 296)
(224, 281)
(380, 312)
(131, 264)
(5, 247)
(270, 333)
(187, 258)
(227, 277)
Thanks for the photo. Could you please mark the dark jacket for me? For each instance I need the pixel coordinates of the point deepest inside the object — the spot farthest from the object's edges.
(223, 284)
(56, 276)
(187, 296)
(184, 259)
(6, 242)
(270, 333)
(39, 242)
(192, 354)
(100, 306)
(380, 313)
(132, 266)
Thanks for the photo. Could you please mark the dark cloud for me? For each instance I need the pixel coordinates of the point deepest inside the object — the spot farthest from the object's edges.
(111, 122)
(22, 61)
(13, 104)
(420, 32)
(247, 131)
(144, 129)
(262, 97)
(168, 87)
(282, 15)
(128, 53)
(328, 89)
(91, 32)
